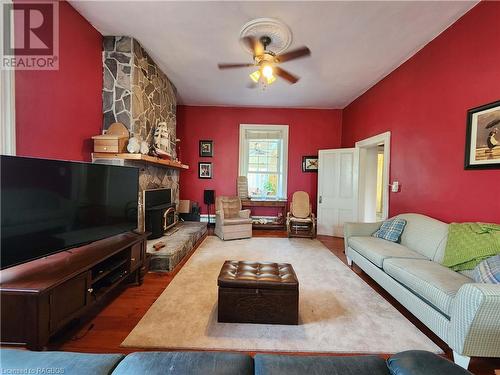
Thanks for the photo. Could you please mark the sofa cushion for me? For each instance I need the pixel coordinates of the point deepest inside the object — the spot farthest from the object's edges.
(237, 221)
(24, 361)
(376, 250)
(419, 362)
(268, 364)
(230, 205)
(391, 230)
(425, 235)
(431, 281)
(206, 363)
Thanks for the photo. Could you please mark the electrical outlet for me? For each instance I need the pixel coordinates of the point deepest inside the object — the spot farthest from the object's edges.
(395, 186)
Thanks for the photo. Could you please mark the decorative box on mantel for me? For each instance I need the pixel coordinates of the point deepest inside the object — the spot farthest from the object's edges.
(115, 139)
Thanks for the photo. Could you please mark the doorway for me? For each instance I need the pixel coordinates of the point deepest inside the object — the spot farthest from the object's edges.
(374, 159)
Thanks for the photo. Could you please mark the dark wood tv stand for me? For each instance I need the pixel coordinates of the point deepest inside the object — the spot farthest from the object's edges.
(39, 298)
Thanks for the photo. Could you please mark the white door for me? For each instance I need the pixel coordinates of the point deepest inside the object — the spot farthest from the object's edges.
(337, 190)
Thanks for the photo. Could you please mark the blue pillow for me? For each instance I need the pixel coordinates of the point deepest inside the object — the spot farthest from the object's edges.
(488, 271)
(391, 230)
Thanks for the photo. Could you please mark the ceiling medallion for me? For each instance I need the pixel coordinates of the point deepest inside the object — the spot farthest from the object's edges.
(279, 33)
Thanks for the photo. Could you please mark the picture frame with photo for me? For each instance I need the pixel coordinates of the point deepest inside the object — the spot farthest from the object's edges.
(310, 163)
(482, 143)
(206, 148)
(205, 170)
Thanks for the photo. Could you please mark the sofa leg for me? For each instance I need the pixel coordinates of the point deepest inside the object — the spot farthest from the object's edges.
(349, 261)
(461, 360)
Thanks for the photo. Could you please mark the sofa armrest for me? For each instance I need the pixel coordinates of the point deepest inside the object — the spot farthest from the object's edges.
(220, 214)
(359, 229)
(245, 214)
(475, 320)
(420, 362)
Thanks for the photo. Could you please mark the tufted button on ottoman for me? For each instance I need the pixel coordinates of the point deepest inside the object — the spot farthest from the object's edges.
(251, 292)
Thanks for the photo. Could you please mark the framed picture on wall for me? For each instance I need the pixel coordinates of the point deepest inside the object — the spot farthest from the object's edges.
(206, 148)
(204, 170)
(309, 163)
(482, 143)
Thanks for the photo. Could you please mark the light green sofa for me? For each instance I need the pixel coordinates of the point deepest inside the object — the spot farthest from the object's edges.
(464, 314)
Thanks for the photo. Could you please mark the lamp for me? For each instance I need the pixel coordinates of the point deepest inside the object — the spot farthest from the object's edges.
(266, 73)
(255, 76)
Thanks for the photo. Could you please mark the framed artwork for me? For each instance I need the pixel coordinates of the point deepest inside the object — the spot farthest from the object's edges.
(309, 163)
(204, 170)
(482, 142)
(206, 148)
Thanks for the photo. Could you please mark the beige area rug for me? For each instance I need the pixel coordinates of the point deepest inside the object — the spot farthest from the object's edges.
(338, 311)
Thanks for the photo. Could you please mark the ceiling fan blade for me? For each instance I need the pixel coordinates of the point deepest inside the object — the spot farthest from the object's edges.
(285, 75)
(294, 54)
(254, 44)
(230, 66)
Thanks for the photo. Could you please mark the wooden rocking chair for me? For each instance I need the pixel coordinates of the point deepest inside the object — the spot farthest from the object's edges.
(300, 221)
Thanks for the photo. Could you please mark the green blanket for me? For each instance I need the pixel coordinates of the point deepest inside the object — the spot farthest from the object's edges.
(469, 244)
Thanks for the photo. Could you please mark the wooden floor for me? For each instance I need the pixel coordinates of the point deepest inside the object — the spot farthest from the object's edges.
(104, 332)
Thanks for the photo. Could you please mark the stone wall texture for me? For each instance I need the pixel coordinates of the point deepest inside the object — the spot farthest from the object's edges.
(153, 97)
(117, 79)
(138, 94)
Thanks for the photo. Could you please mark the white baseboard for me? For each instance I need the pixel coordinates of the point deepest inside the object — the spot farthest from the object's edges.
(204, 218)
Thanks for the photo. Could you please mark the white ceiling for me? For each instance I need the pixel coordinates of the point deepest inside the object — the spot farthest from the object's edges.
(354, 44)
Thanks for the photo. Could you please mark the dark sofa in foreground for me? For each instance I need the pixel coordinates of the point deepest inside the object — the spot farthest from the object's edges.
(219, 363)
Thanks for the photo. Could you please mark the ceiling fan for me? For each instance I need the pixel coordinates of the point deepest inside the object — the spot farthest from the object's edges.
(267, 62)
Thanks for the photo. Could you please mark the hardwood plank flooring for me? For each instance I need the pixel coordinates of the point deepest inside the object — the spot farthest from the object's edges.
(103, 332)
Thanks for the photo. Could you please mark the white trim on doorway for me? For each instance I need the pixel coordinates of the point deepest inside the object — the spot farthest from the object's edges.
(7, 112)
(363, 146)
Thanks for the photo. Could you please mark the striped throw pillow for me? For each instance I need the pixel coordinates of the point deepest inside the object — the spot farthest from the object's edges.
(391, 230)
(488, 271)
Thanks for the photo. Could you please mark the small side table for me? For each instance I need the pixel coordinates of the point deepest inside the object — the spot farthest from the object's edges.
(280, 204)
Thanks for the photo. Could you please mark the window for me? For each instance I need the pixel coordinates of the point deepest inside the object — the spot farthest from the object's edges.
(264, 159)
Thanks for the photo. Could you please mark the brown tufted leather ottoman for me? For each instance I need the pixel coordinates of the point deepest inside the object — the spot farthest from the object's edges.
(251, 292)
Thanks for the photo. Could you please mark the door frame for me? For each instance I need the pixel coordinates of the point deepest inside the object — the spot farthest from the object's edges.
(363, 145)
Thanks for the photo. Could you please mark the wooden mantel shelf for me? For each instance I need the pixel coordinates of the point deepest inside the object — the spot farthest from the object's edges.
(140, 157)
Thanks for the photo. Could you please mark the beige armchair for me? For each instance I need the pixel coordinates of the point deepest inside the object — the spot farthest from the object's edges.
(300, 221)
(231, 222)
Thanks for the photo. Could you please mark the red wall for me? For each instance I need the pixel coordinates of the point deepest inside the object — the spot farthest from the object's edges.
(424, 103)
(309, 131)
(58, 111)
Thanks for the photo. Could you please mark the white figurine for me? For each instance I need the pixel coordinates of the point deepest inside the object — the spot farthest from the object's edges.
(134, 145)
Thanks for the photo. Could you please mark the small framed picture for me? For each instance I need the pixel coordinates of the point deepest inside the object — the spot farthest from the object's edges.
(204, 170)
(309, 163)
(206, 149)
(482, 143)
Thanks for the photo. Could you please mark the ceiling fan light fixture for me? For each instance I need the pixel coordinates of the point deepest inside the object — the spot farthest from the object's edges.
(270, 79)
(267, 71)
(255, 76)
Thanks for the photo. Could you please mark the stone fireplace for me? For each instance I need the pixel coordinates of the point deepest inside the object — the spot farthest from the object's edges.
(137, 93)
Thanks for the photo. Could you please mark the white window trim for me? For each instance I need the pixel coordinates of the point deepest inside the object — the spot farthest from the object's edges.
(7, 112)
(242, 170)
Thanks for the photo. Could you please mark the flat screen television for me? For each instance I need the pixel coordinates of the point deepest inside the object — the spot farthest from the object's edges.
(48, 206)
